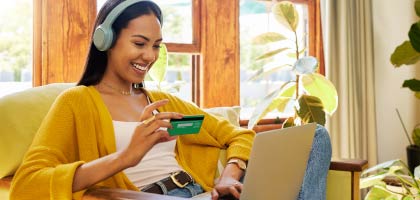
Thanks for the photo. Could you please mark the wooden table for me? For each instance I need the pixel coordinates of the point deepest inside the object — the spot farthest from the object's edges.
(119, 194)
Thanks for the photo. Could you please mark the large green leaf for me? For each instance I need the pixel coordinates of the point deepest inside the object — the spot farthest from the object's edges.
(158, 71)
(266, 70)
(276, 99)
(377, 193)
(286, 14)
(377, 179)
(292, 54)
(288, 91)
(414, 35)
(311, 110)
(268, 37)
(370, 181)
(413, 84)
(306, 65)
(417, 94)
(404, 54)
(416, 136)
(408, 198)
(272, 53)
(289, 122)
(384, 165)
(417, 7)
(317, 85)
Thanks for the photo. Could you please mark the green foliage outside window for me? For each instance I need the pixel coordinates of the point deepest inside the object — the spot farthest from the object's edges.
(15, 36)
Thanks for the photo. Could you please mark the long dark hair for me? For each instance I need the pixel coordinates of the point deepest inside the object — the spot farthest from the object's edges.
(96, 61)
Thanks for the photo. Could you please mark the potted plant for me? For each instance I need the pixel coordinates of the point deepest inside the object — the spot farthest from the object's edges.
(311, 93)
(413, 150)
(391, 180)
(408, 53)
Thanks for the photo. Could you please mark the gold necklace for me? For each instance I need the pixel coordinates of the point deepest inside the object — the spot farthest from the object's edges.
(123, 92)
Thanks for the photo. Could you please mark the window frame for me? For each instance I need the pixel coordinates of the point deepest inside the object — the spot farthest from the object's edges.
(315, 49)
(215, 46)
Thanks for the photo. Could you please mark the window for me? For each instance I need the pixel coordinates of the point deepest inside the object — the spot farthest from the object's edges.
(205, 44)
(256, 18)
(178, 34)
(15, 46)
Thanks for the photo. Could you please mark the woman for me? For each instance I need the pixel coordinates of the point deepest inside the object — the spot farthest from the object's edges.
(75, 147)
(109, 132)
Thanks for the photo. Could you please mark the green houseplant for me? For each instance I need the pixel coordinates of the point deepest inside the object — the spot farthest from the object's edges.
(408, 53)
(311, 93)
(159, 70)
(391, 180)
(406, 177)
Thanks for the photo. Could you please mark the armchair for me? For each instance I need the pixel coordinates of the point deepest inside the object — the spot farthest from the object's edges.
(22, 113)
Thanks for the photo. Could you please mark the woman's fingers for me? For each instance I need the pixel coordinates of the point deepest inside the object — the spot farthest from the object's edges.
(155, 124)
(161, 120)
(214, 195)
(233, 190)
(169, 115)
(157, 129)
(148, 110)
(227, 187)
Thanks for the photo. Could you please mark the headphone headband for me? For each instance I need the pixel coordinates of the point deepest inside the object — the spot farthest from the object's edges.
(104, 35)
(113, 15)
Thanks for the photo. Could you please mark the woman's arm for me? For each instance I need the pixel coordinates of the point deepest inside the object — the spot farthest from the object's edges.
(146, 135)
(228, 183)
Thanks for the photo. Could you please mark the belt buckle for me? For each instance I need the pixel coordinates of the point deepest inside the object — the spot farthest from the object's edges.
(177, 183)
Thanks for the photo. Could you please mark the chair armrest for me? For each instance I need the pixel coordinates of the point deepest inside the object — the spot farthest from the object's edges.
(356, 165)
(343, 179)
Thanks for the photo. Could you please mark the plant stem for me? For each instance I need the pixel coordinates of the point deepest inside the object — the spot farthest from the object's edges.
(411, 175)
(297, 46)
(297, 75)
(405, 130)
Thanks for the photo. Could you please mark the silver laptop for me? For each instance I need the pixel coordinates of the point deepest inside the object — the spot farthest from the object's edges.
(277, 164)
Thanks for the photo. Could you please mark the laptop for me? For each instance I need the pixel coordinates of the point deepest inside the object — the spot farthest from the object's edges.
(277, 164)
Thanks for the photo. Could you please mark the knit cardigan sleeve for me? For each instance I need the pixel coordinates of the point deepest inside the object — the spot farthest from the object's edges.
(49, 165)
(77, 129)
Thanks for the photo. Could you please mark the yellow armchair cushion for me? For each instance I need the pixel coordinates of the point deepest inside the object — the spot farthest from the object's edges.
(21, 115)
(232, 114)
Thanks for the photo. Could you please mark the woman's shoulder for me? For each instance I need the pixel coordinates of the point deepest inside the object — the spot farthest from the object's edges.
(76, 90)
(75, 93)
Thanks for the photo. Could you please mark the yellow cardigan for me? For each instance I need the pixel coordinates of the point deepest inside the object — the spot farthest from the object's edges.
(78, 129)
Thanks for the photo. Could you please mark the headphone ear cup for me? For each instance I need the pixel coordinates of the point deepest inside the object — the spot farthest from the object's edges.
(103, 38)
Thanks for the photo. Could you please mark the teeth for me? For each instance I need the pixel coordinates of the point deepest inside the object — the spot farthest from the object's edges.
(140, 67)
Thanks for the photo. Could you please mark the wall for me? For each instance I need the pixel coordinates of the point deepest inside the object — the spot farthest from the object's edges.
(392, 20)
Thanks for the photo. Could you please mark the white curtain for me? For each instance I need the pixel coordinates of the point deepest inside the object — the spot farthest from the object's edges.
(348, 42)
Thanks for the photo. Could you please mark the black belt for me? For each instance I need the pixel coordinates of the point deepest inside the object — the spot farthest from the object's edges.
(176, 180)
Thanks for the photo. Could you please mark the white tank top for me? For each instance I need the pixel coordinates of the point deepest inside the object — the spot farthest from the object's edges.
(157, 164)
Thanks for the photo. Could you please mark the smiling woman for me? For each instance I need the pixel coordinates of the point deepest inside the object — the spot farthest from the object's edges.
(178, 32)
(15, 45)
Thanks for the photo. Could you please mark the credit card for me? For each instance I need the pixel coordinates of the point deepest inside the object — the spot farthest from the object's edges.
(189, 124)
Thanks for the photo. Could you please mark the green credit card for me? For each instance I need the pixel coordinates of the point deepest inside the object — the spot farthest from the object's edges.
(189, 124)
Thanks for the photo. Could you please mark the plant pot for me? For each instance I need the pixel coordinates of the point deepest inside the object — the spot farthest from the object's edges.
(413, 157)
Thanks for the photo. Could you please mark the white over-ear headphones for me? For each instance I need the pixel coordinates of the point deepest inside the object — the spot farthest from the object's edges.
(104, 35)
